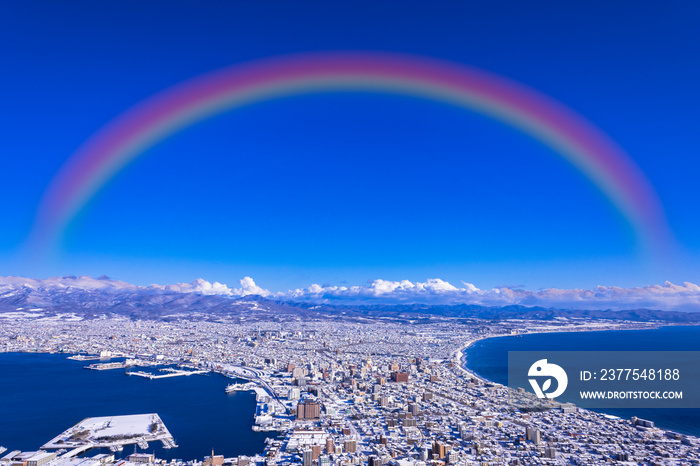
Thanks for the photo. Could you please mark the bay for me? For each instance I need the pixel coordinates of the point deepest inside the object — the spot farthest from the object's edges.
(489, 359)
(41, 395)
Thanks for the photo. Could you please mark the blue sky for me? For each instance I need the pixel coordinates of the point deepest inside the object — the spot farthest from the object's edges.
(345, 188)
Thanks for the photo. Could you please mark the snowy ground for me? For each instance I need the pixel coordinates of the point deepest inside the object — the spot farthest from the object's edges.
(112, 430)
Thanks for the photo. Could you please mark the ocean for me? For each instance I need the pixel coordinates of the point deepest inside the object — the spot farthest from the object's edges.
(41, 395)
(489, 359)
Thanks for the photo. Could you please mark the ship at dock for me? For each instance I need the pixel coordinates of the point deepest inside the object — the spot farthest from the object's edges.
(240, 387)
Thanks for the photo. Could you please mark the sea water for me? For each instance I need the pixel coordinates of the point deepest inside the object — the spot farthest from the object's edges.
(41, 395)
(489, 359)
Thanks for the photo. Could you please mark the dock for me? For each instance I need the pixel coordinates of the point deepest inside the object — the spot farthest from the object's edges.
(169, 443)
(113, 432)
(111, 365)
(241, 387)
(169, 373)
(84, 357)
(76, 451)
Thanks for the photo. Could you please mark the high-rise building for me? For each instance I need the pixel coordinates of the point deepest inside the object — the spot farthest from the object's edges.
(425, 454)
(533, 435)
(307, 456)
(439, 449)
(308, 410)
(350, 446)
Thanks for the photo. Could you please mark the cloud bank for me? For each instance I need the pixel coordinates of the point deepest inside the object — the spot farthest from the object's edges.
(685, 297)
(669, 296)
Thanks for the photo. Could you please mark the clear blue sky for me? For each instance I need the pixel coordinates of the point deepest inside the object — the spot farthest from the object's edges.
(344, 187)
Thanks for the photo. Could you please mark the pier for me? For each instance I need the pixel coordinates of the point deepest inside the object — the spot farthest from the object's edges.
(169, 373)
(168, 443)
(241, 387)
(76, 451)
(111, 365)
(84, 357)
(113, 432)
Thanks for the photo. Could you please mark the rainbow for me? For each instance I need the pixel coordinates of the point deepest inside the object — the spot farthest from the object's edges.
(118, 143)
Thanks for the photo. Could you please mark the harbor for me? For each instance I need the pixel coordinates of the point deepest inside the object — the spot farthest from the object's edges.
(267, 404)
(112, 432)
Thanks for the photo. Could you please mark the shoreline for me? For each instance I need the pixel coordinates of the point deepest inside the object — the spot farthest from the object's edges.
(458, 354)
(155, 445)
(460, 361)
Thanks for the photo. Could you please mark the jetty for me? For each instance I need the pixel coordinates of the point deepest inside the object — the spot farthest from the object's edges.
(111, 365)
(84, 357)
(169, 372)
(112, 432)
(241, 387)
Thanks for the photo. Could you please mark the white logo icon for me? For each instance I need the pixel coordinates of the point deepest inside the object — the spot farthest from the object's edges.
(542, 368)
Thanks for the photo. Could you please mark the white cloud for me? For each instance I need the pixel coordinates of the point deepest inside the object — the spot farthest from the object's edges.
(669, 296)
(433, 289)
(67, 282)
(248, 287)
(197, 286)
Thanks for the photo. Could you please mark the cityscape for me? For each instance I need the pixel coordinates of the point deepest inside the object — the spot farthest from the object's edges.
(342, 391)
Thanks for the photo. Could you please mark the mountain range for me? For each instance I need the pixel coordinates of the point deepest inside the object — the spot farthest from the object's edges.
(86, 297)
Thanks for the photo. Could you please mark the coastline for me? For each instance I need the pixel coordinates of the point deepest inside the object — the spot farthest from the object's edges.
(461, 363)
(179, 424)
(458, 355)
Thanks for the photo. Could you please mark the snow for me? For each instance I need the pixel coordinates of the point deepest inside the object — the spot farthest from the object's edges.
(119, 425)
(111, 430)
